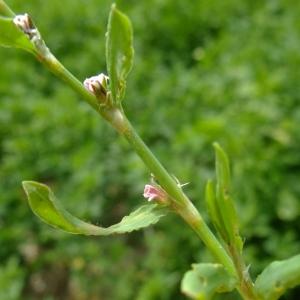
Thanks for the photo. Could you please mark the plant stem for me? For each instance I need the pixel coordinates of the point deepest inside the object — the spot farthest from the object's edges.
(50, 61)
(181, 204)
(246, 288)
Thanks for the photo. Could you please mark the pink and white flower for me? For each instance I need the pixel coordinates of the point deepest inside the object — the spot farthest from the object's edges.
(153, 192)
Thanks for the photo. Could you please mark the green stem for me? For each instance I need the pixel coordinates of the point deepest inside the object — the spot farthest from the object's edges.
(50, 61)
(184, 207)
(181, 204)
(246, 286)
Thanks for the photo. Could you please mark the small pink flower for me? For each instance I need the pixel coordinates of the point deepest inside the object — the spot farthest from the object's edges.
(152, 192)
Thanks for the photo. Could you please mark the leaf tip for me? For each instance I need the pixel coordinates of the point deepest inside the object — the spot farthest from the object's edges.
(217, 146)
(27, 186)
(31, 186)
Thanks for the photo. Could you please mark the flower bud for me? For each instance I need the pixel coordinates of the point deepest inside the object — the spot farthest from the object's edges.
(97, 85)
(25, 23)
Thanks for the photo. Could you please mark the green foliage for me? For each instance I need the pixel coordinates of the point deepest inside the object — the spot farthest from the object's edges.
(205, 280)
(119, 52)
(232, 78)
(278, 277)
(45, 205)
(12, 36)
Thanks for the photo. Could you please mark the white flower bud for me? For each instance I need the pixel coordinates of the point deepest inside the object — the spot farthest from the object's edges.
(25, 23)
(97, 85)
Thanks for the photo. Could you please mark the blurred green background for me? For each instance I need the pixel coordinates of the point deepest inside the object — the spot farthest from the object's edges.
(205, 71)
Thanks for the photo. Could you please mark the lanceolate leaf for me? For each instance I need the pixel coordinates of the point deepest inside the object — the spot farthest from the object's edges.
(5, 11)
(278, 277)
(205, 280)
(224, 202)
(213, 209)
(12, 36)
(45, 205)
(119, 52)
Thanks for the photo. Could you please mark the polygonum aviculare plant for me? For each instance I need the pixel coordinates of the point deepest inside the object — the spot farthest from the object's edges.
(105, 94)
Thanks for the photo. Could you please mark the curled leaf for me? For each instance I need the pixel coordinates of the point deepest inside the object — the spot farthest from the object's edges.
(278, 277)
(45, 205)
(205, 280)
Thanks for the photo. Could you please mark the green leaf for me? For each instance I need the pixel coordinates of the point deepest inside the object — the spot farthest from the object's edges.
(12, 36)
(205, 280)
(222, 167)
(278, 277)
(5, 11)
(45, 205)
(212, 207)
(224, 203)
(210, 201)
(119, 52)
